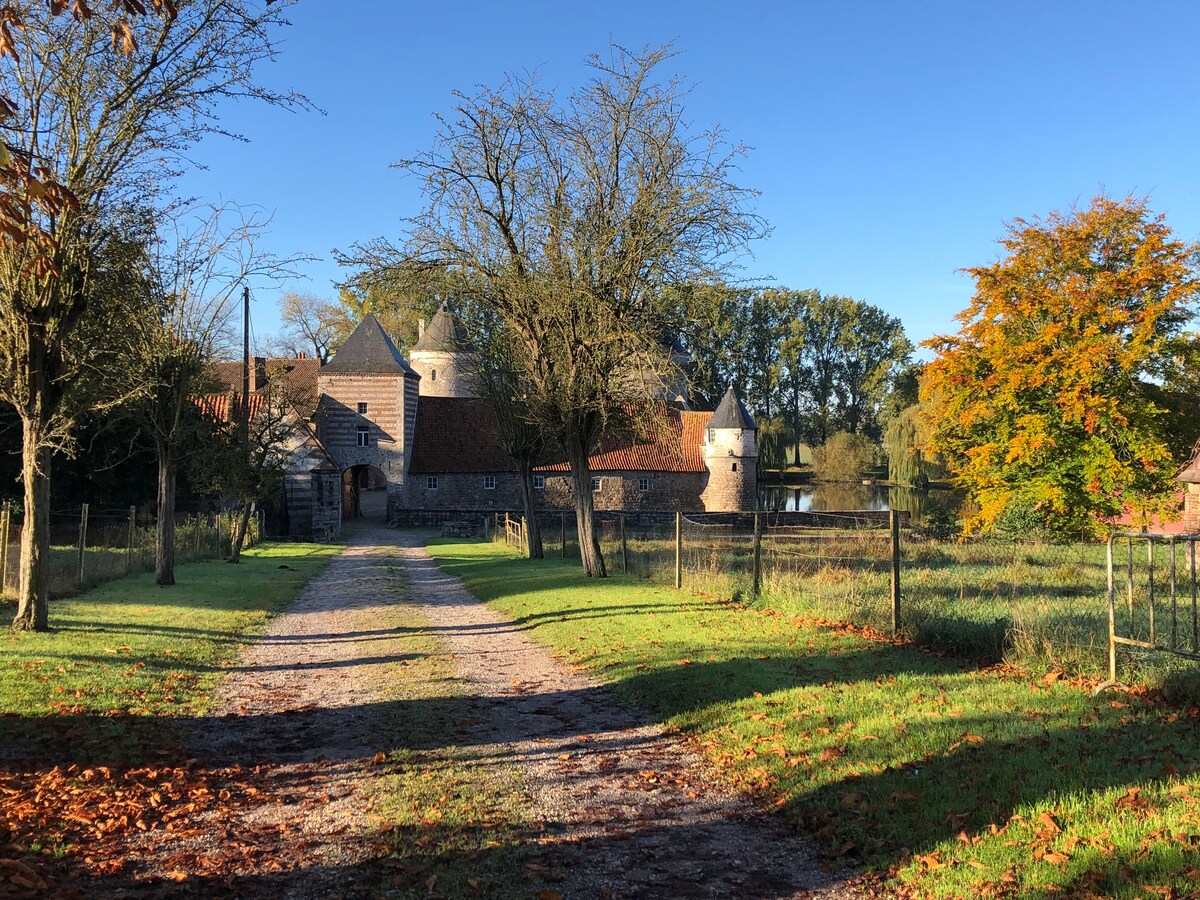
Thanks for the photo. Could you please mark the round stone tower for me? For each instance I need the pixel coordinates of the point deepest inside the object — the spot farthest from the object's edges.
(731, 457)
(443, 357)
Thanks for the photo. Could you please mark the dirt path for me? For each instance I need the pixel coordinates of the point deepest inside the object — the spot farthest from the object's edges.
(633, 809)
(622, 809)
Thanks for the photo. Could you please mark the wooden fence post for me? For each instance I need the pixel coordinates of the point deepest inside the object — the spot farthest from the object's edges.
(624, 548)
(678, 550)
(5, 524)
(83, 524)
(756, 584)
(129, 541)
(894, 523)
(524, 536)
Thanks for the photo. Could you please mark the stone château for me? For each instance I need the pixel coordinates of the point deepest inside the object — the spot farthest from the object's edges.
(409, 440)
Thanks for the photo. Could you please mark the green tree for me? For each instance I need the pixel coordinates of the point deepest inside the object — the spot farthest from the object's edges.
(99, 135)
(844, 457)
(1040, 403)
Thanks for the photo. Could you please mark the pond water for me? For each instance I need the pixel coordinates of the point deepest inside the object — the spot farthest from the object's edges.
(842, 496)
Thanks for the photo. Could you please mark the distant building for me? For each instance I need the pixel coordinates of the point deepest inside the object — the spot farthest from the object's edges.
(390, 437)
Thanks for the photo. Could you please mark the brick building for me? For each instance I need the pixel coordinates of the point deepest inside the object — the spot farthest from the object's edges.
(411, 436)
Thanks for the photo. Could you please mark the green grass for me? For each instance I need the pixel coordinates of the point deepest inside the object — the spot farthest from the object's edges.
(131, 646)
(957, 781)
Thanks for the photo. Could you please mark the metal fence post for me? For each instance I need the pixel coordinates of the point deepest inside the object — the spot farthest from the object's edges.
(83, 517)
(624, 548)
(756, 585)
(5, 524)
(129, 542)
(894, 523)
(678, 550)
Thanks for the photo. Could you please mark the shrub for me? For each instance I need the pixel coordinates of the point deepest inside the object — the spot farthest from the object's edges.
(844, 457)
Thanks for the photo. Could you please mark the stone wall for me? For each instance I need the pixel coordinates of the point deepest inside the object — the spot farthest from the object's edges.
(732, 484)
(444, 374)
(464, 492)
(623, 491)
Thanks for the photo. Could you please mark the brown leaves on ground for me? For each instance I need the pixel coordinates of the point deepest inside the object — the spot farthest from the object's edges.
(96, 810)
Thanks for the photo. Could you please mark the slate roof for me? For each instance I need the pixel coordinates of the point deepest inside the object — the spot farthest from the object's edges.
(732, 413)
(369, 351)
(444, 332)
(457, 435)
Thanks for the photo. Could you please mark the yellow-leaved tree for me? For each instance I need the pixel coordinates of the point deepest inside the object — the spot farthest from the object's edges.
(1041, 404)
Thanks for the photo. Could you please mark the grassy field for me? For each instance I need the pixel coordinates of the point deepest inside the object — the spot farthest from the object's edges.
(129, 646)
(951, 779)
(1031, 604)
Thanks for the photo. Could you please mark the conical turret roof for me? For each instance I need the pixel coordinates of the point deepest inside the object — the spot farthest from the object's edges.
(731, 412)
(444, 332)
(369, 351)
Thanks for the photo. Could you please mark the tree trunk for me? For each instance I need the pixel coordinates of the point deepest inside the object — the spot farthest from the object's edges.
(585, 520)
(34, 594)
(164, 534)
(239, 533)
(533, 531)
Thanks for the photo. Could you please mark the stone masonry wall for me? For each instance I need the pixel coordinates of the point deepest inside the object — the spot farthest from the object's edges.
(729, 490)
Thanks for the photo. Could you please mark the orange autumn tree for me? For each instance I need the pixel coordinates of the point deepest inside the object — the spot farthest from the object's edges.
(1041, 402)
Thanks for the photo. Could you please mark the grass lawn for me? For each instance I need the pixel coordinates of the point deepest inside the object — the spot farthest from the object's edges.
(955, 780)
(130, 646)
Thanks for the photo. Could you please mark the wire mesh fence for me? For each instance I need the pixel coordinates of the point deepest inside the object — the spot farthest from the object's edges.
(91, 546)
(1041, 601)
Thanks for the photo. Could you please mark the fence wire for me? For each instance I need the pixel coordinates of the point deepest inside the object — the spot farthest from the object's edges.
(91, 546)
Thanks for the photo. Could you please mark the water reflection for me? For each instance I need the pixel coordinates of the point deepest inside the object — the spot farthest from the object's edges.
(835, 497)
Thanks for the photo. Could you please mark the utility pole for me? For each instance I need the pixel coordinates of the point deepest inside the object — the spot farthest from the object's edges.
(245, 423)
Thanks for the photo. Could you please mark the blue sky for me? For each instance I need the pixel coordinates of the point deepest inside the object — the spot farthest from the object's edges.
(891, 141)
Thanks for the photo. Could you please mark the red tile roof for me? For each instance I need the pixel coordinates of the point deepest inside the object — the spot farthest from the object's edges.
(458, 436)
(301, 374)
(227, 406)
(675, 444)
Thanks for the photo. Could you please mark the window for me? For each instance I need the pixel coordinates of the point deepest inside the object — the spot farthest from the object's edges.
(735, 467)
(643, 484)
(489, 482)
(539, 482)
(362, 408)
(595, 484)
(364, 435)
(431, 482)
(433, 374)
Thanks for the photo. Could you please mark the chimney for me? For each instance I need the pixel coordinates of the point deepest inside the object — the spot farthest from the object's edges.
(420, 328)
(301, 355)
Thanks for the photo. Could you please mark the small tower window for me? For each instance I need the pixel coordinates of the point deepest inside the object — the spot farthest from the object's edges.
(735, 467)
(362, 408)
(364, 435)
(433, 374)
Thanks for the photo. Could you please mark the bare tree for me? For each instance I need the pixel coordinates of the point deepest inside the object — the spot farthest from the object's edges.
(205, 256)
(99, 132)
(311, 325)
(253, 440)
(572, 217)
